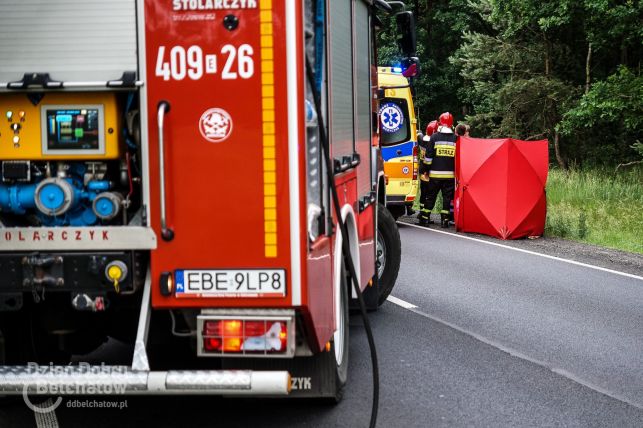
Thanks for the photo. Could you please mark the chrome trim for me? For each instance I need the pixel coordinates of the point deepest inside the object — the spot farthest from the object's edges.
(110, 85)
(292, 79)
(143, 110)
(140, 360)
(163, 108)
(122, 380)
(87, 238)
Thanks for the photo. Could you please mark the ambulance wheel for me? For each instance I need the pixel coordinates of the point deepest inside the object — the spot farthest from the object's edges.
(396, 211)
(388, 253)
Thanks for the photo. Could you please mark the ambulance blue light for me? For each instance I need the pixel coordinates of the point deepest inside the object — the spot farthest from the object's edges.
(397, 69)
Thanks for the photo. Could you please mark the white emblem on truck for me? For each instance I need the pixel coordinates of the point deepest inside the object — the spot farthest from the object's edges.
(215, 125)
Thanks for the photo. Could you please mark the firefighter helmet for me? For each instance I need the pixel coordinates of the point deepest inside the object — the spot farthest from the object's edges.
(431, 128)
(446, 119)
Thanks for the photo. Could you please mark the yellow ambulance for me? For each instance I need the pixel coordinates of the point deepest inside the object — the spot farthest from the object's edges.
(398, 137)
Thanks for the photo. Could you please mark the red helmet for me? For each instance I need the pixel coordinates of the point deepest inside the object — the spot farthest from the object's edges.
(446, 119)
(431, 128)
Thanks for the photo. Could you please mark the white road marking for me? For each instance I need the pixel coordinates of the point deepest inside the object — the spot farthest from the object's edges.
(518, 354)
(534, 253)
(400, 302)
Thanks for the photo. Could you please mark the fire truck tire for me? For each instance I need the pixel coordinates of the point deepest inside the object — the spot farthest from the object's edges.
(340, 356)
(23, 341)
(388, 253)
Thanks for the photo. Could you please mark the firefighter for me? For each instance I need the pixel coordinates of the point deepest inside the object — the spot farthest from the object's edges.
(440, 159)
(462, 130)
(425, 211)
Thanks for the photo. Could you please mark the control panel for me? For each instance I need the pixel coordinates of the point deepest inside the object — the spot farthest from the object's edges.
(59, 126)
(73, 130)
(67, 159)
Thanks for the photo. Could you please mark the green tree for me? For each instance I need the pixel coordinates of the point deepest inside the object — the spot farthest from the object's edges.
(613, 110)
(566, 70)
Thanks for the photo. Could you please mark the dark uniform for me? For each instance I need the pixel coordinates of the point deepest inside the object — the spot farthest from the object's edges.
(440, 162)
(425, 211)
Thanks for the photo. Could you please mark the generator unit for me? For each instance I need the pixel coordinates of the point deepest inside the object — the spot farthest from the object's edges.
(64, 160)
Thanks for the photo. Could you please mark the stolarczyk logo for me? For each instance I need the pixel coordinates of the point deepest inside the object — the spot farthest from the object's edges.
(83, 379)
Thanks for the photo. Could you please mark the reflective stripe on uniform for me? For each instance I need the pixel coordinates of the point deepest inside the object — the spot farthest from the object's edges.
(444, 151)
(444, 143)
(441, 174)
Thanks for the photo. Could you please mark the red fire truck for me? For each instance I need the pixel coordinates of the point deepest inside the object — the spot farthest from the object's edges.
(167, 173)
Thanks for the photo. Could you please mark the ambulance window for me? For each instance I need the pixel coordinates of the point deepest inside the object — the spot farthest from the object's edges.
(394, 121)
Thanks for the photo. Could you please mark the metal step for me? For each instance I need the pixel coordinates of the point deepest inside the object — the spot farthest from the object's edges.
(115, 380)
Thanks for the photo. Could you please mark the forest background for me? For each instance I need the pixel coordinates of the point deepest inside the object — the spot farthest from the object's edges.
(568, 71)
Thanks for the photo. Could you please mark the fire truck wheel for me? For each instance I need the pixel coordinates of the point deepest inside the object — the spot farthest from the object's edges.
(22, 342)
(5, 358)
(340, 340)
(388, 253)
(336, 359)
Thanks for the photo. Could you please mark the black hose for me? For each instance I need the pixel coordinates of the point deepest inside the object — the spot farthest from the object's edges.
(345, 243)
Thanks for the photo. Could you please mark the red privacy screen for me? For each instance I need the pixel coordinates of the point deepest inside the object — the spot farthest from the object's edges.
(501, 187)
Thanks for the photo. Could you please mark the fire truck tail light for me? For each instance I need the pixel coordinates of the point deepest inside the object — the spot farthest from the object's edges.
(232, 344)
(166, 283)
(237, 336)
(212, 344)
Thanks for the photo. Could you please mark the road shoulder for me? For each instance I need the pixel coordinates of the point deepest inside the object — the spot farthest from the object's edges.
(607, 258)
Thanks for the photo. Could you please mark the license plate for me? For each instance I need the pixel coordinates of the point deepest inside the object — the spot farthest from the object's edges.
(231, 283)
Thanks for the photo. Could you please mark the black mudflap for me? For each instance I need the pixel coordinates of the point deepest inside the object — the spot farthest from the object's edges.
(371, 297)
(311, 377)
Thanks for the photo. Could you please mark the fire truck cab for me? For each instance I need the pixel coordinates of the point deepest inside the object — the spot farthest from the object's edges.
(164, 184)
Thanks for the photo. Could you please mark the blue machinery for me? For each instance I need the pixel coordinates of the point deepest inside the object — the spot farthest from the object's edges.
(63, 200)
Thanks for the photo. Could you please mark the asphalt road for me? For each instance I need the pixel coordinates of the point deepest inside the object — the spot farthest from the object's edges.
(498, 338)
(584, 323)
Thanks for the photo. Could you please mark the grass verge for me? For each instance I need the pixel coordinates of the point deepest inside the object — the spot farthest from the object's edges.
(597, 206)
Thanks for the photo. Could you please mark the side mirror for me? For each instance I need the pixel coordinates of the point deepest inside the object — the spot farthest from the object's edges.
(406, 39)
(411, 67)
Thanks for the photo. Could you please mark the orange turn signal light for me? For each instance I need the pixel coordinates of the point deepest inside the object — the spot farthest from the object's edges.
(245, 336)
